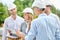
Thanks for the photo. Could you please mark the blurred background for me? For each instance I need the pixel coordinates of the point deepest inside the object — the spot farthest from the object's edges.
(21, 4)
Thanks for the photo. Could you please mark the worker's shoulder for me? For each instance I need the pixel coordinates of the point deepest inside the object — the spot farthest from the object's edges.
(54, 15)
(8, 18)
(20, 18)
(36, 20)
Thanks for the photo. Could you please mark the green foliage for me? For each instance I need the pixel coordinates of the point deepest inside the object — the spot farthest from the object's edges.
(3, 14)
(58, 12)
(22, 4)
(53, 9)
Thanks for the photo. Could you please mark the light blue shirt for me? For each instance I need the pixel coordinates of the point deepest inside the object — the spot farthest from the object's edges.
(44, 28)
(55, 17)
(11, 25)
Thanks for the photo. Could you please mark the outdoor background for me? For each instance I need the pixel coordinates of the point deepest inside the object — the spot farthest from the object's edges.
(21, 4)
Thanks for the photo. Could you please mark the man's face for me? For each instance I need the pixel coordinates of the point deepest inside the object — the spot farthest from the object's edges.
(13, 11)
(36, 10)
(47, 8)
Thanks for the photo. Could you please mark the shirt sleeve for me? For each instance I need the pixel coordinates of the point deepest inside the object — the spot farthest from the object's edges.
(23, 28)
(57, 34)
(32, 33)
(58, 20)
(4, 34)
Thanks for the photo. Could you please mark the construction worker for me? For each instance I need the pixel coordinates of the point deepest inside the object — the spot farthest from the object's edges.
(49, 13)
(25, 27)
(12, 23)
(43, 27)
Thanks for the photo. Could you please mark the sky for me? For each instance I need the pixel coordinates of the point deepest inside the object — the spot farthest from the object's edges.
(56, 3)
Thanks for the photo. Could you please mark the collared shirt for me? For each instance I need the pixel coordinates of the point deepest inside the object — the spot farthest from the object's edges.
(55, 17)
(44, 28)
(11, 25)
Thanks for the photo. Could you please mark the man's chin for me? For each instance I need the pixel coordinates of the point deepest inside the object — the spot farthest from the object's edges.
(14, 14)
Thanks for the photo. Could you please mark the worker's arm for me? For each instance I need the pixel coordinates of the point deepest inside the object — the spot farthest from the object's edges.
(57, 34)
(4, 34)
(19, 32)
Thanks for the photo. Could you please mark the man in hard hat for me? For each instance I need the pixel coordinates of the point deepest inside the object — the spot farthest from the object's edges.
(12, 23)
(49, 13)
(38, 23)
(44, 27)
(25, 27)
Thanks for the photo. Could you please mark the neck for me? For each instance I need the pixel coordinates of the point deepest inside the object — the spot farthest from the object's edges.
(48, 12)
(29, 22)
(14, 17)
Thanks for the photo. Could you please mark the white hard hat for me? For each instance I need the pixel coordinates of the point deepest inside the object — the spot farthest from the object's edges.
(29, 10)
(38, 4)
(11, 6)
(47, 2)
